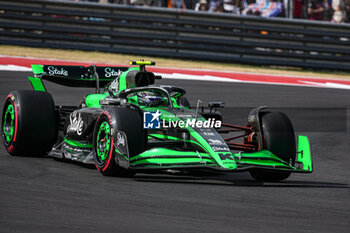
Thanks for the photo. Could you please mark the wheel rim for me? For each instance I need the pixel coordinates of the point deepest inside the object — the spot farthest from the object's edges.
(9, 124)
(103, 141)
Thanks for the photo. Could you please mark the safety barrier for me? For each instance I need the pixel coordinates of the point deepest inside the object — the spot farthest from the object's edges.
(175, 33)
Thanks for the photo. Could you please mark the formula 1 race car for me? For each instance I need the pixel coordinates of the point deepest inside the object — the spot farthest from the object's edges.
(132, 125)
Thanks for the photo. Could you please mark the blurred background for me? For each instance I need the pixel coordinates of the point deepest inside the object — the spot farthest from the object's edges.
(311, 34)
(336, 11)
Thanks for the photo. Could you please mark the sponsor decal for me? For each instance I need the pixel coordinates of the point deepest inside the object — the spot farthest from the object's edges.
(110, 72)
(226, 156)
(121, 143)
(120, 139)
(76, 123)
(220, 148)
(54, 71)
(205, 130)
(208, 134)
(151, 120)
(215, 142)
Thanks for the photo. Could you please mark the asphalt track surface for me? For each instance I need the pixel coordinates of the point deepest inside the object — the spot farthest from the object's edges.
(44, 195)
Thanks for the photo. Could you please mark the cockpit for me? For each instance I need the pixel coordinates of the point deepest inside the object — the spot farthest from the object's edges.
(137, 86)
(149, 98)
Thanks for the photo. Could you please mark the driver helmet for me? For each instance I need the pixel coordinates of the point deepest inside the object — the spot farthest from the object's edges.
(150, 99)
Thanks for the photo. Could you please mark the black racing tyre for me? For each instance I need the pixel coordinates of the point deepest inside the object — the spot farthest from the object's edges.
(122, 119)
(184, 101)
(279, 138)
(29, 123)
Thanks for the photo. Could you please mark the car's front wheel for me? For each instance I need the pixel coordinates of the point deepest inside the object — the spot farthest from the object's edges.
(279, 138)
(112, 120)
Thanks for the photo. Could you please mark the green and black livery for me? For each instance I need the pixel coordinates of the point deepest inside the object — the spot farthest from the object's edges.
(107, 127)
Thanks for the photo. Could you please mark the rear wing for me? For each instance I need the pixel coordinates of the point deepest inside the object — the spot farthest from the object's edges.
(74, 76)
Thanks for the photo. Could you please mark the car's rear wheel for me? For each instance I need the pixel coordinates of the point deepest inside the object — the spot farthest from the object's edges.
(279, 138)
(29, 123)
(126, 120)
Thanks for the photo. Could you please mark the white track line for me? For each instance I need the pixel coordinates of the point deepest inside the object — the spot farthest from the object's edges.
(14, 68)
(211, 79)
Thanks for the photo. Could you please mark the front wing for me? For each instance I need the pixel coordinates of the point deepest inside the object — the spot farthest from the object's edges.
(162, 158)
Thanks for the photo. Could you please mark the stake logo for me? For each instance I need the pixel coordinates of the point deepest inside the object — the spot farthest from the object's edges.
(54, 71)
(110, 72)
(151, 120)
(76, 123)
